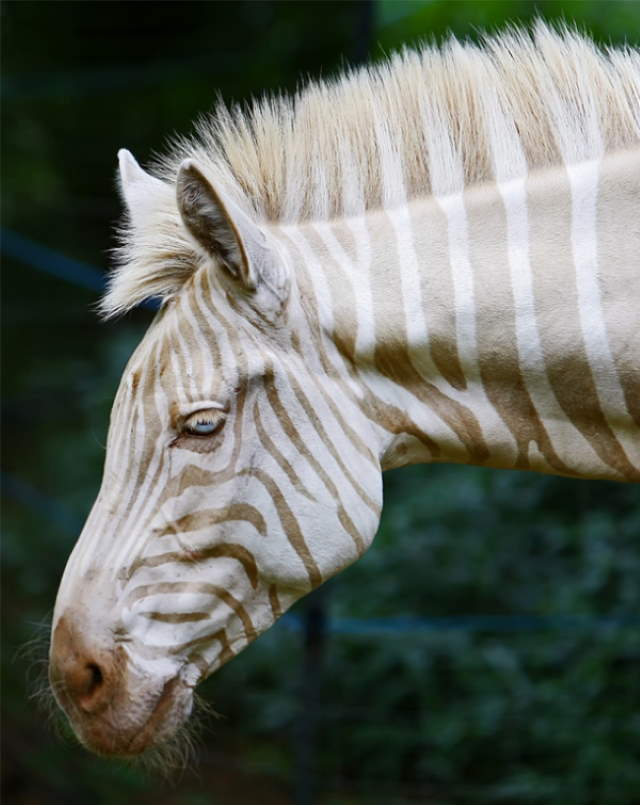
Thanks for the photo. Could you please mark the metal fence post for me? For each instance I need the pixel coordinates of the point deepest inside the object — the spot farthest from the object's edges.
(315, 628)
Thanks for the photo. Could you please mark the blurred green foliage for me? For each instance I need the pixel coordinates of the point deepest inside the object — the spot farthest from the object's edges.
(455, 715)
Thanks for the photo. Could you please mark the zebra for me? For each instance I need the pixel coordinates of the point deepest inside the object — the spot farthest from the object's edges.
(435, 259)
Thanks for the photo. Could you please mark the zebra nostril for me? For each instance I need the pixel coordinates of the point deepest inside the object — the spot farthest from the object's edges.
(86, 684)
(95, 680)
(81, 675)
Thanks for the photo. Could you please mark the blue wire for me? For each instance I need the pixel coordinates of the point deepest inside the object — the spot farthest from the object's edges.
(50, 261)
(407, 625)
(58, 265)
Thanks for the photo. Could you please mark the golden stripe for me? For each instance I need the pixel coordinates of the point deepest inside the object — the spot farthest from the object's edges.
(394, 363)
(204, 317)
(293, 434)
(137, 464)
(155, 652)
(273, 451)
(343, 301)
(222, 550)
(226, 652)
(618, 216)
(274, 601)
(175, 617)
(351, 434)
(192, 474)
(378, 411)
(201, 664)
(317, 341)
(498, 357)
(177, 587)
(238, 608)
(208, 517)
(319, 427)
(430, 233)
(289, 523)
(392, 355)
(568, 369)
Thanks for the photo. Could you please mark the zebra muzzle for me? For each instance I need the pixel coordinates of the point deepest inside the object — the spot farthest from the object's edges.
(113, 710)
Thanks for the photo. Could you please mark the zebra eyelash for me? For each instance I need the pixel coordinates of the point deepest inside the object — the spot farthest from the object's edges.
(202, 424)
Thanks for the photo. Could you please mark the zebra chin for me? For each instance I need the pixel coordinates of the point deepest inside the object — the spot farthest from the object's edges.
(114, 709)
(117, 734)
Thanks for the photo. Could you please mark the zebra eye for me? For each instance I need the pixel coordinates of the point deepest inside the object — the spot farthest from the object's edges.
(203, 423)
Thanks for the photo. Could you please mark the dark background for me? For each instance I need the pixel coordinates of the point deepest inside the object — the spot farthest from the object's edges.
(485, 650)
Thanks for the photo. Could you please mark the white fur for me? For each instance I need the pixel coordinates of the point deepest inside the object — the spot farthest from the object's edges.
(425, 121)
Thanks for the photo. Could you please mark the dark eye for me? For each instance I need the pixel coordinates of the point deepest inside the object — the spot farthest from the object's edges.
(203, 423)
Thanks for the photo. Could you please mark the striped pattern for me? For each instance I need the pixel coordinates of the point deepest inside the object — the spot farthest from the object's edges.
(202, 545)
(493, 322)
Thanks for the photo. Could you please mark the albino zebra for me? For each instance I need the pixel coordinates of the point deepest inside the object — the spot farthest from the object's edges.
(435, 259)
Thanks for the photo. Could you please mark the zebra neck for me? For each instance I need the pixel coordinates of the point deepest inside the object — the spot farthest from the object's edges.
(498, 324)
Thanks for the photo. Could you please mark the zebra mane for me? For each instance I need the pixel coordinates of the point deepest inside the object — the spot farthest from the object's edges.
(424, 121)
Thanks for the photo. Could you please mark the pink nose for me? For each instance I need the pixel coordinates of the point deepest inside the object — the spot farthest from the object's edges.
(80, 677)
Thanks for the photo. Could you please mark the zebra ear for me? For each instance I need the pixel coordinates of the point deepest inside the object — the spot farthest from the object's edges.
(139, 189)
(223, 230)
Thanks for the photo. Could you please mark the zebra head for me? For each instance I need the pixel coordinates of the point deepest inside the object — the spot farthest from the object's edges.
(240, 473)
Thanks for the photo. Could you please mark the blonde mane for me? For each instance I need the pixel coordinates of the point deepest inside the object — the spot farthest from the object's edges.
(417, 124)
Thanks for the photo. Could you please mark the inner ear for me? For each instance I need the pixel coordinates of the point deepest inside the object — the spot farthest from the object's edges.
(219, 226)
